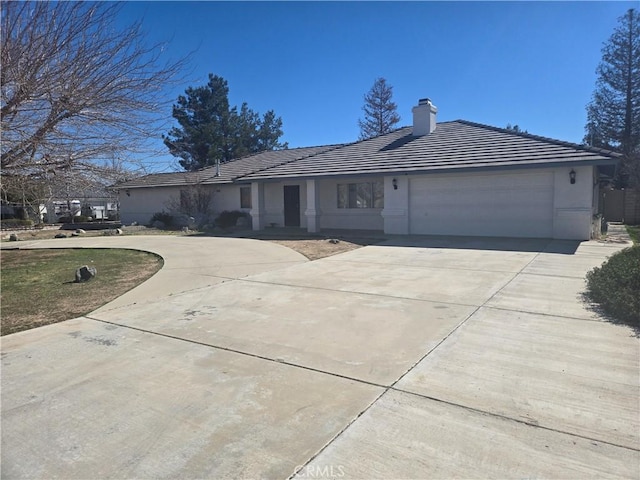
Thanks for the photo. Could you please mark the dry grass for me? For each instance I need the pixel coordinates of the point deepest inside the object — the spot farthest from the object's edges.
(38, 286)
(315, 249)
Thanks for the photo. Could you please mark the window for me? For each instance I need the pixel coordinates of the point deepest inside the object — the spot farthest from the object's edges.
(361, 195)
(245, 197)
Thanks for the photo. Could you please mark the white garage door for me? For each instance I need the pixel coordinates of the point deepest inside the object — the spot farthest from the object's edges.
(508, 204)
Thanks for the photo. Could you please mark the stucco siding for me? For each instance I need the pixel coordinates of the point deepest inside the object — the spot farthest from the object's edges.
(139, 204)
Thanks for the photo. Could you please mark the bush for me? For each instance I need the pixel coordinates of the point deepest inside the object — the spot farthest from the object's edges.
(616, 286)
(163, 217)
(634, 233)
(229, 219)
(15, 222)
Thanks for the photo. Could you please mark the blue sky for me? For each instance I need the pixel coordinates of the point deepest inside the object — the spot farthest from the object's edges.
(526, 63)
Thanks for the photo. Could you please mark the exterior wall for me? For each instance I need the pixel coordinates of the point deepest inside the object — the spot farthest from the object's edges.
(573, 204)
(346, 218)
(396, 205)
(140, 204)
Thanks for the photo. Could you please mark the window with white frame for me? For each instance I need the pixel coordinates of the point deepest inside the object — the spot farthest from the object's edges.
(245, 197)
(361, 195)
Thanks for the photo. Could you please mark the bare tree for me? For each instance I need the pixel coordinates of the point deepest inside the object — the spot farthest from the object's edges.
(196, 200)
(76, 88)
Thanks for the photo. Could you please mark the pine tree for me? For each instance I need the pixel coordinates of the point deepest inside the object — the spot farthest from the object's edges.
(613, 115)
(211, 131)
(380, 113)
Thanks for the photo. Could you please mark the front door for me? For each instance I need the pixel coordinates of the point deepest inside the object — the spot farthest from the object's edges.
(291, 206)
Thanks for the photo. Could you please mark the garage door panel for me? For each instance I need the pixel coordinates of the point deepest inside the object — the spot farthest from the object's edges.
(485, 205)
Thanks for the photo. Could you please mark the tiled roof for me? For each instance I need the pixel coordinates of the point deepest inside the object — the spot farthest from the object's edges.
(229, 171)
(456, 145)
(453, 145)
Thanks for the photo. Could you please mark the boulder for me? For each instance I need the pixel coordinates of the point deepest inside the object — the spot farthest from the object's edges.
(119, 231)
(75, 234)
(80, 231)
(333, 240)
(85, 273)
(13, 237)
(60, 235)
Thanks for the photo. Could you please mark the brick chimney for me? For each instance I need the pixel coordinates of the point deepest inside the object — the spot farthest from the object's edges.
(424, 117)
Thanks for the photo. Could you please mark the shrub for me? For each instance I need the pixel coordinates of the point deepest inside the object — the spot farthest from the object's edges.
(163, 217)
(616, 286)
(229, 219)
(634, 233)
(15, 222)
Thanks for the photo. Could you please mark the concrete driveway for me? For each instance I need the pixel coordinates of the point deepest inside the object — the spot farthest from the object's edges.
(419, 358)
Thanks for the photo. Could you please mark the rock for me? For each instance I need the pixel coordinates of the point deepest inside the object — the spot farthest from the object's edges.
(75, 234)
(333, 240)
(60, 235)
(80, 230)
(182, 220)
(13, 237)
(85, 273)
(119, 231)
(185, 229)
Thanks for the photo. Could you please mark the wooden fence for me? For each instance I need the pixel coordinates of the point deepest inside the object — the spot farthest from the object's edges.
(620, 206)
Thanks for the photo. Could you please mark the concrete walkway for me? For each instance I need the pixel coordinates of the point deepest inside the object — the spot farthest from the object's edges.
(419, 358)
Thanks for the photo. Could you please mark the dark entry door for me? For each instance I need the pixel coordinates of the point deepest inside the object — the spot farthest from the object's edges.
(291, 206)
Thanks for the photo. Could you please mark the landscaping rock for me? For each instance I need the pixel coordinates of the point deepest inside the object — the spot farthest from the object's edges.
(85, 273)
(60, 235)
(119, 231)
(333, 240)
(181, 221)
(80, 231)
(75, 234)
(13, 237)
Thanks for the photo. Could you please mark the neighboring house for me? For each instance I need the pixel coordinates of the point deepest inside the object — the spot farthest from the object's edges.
(451, 178)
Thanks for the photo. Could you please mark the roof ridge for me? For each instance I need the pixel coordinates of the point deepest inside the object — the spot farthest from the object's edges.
(554, 141)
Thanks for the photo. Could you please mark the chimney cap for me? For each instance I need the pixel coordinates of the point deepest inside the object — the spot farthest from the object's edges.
(424, 101)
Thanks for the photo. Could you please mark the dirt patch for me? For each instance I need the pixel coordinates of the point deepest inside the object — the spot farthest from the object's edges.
(315, 249)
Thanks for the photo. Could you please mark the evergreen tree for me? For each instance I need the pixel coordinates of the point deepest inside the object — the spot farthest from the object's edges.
(515, 128)
(380, 113)
(210, 130)
(613, 115)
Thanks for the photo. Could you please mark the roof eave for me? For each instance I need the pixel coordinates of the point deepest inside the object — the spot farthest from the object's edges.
(432, 170)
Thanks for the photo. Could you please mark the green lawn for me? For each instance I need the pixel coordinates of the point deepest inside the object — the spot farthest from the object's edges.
(634, 233)
(38, 286)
